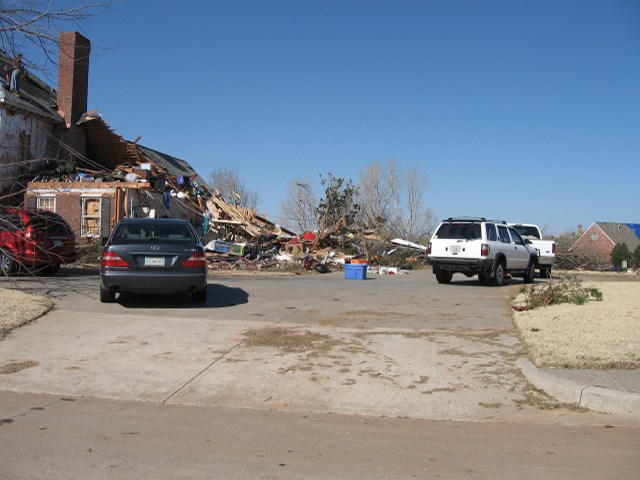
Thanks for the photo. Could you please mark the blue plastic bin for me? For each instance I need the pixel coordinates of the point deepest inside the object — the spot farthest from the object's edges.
(355, 271)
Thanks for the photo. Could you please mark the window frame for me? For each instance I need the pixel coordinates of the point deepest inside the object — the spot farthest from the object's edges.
(39, 205)
(85, 229)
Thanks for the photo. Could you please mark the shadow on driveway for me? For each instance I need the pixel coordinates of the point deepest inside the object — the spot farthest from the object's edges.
(218, 296)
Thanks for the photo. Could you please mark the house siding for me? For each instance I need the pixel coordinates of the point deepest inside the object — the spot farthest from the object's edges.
(26, 145)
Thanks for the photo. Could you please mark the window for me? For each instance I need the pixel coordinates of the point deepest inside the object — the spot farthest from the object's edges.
(47, 204)
(594, 237)
(461, 231)
(504, 234)
(492, 236)
(516, 236)
(91, 217)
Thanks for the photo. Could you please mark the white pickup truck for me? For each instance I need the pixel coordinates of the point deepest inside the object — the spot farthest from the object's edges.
(546, 248)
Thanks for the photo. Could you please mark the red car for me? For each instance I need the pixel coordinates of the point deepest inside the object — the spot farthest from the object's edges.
(34, 240)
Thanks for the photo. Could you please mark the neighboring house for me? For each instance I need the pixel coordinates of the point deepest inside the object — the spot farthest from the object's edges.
(597, 242)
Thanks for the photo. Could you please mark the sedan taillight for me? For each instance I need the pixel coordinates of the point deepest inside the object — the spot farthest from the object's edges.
(196, 260)
(110, 259)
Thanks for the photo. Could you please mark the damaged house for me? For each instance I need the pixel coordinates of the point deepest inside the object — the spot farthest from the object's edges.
(127, 180)
(79, 167)
(57, 156)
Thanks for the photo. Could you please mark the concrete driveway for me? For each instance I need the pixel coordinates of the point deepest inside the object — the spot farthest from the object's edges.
(398, 345)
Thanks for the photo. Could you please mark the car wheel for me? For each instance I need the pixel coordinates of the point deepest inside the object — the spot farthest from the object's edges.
(444, 276)
(200, 296)
(545, 272)
(8, 265)
(498, 277)
(107, 296)
(530, 272)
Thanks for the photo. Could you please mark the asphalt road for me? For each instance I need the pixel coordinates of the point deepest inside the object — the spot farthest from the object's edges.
(289, 377)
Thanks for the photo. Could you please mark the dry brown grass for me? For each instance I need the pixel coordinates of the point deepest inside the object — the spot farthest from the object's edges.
(596, 335)
(20, 308)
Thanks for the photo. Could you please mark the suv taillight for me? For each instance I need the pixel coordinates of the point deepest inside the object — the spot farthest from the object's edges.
(196, 260)
(110, 259)
(31, 235)
(429, 248)
(553, 248)
(485, 249)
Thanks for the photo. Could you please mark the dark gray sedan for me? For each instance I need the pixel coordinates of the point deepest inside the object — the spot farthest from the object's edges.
(146, 255)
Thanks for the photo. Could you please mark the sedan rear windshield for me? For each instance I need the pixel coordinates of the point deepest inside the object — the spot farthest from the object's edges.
(150, 232)
(459, 231)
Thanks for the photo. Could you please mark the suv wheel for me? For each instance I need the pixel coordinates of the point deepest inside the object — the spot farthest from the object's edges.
(498, 277)
(444, 276)
(545, 272)
(7, 264)
(530, 272)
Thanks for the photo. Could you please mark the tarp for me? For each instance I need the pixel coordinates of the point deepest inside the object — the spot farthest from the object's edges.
(635, 228)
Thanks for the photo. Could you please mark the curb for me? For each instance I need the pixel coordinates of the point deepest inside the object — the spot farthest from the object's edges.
(605, 400)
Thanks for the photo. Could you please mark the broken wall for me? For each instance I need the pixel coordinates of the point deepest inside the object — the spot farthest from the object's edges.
(92, 209)
(89, 209)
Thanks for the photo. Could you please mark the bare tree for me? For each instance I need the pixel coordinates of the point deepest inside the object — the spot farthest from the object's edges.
(227, 183)
(375, 197)
(392, 201)
(300, 206)
(34, 25)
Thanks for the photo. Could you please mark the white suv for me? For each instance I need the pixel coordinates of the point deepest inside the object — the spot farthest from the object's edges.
(477, 246)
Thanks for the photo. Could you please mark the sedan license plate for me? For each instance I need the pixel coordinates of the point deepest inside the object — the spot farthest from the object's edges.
(454, 248)
(154, 261)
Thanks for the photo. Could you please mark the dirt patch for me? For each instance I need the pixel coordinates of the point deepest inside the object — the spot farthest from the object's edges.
(289, 340)
(15, 367)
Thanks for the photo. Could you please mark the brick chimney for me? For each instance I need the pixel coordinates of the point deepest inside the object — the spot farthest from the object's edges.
(73, 76)
(73, 88)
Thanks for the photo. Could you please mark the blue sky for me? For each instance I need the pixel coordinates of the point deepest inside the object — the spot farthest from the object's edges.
(526, 111)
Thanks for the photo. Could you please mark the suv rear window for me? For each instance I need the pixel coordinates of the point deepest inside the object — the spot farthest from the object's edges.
(50, 224)
(459, 231)
(162, 233)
